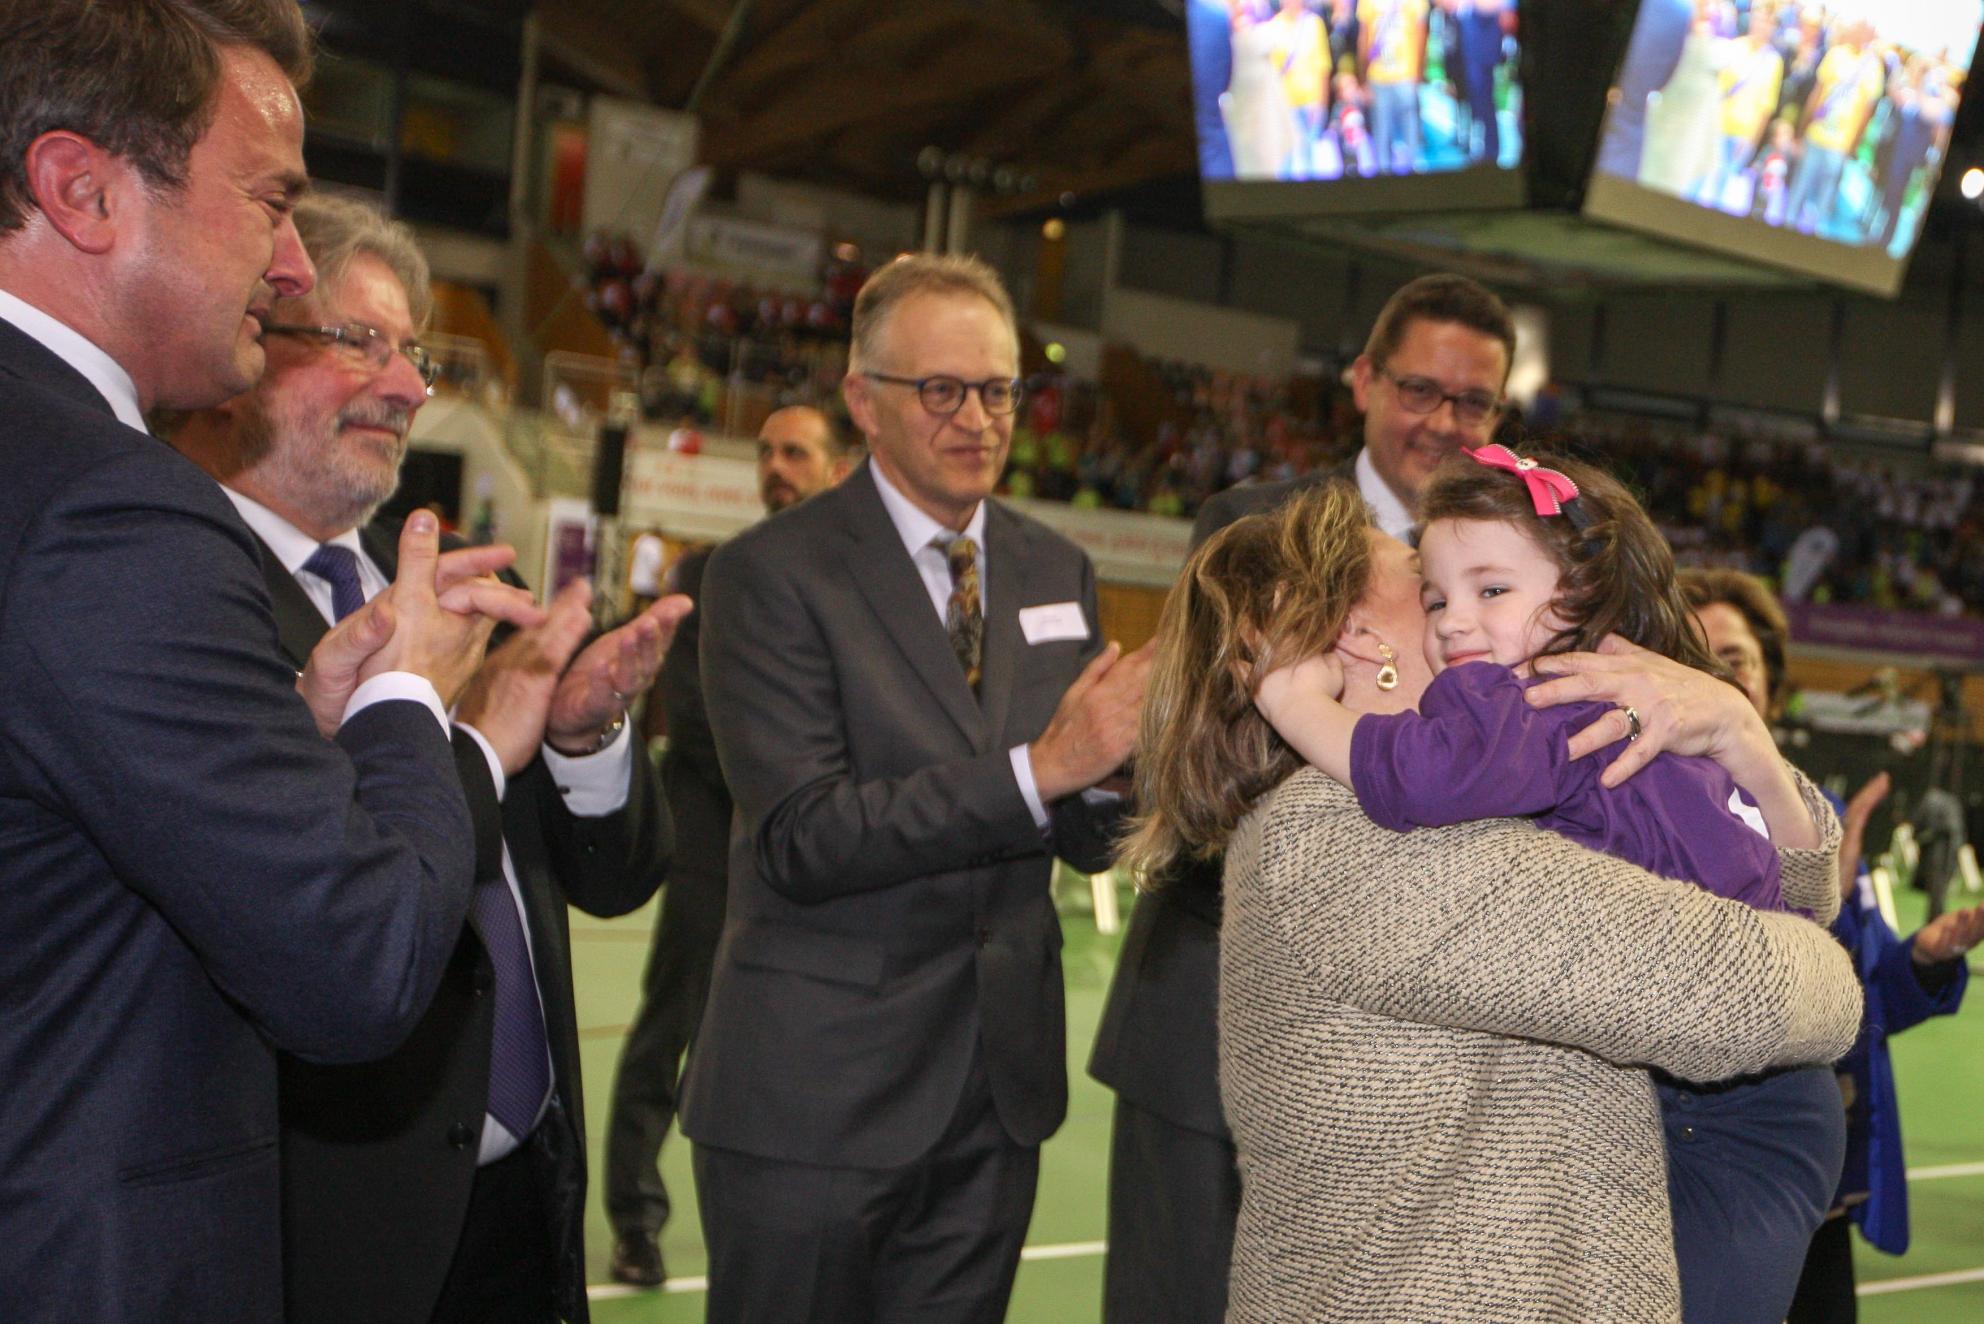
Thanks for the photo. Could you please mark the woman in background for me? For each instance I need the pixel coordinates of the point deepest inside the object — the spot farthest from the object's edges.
(1906, 980)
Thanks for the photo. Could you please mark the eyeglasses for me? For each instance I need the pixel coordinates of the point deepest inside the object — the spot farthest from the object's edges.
(945, 395)
(368, 343)
(1422, 395)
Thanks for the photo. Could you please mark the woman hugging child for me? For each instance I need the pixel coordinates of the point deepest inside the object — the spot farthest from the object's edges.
(1522, 558)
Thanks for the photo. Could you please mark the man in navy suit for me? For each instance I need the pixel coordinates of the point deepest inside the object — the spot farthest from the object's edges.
(191, 875)
(407, 1192)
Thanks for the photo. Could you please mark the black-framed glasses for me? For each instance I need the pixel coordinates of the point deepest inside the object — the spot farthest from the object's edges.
(945, 395)
(368, 343)
(1423, 395)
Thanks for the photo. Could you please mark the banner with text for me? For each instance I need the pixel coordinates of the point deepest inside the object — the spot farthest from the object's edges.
(1917, 636)
(705, 498)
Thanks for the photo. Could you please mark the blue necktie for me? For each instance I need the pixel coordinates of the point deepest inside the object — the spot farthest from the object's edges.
(519, 1063)
(338, 567)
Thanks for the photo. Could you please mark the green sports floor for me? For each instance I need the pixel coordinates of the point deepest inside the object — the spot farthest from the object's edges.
(1940, 1066)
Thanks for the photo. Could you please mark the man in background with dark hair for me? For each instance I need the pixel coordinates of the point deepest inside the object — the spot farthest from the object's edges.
(799, 455)
(445, 1182)
(1430, 382)
(191, 875)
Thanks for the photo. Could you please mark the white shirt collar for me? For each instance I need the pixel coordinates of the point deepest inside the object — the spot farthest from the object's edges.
(291, 545)
(917, 529)
(1393, 517)
(79, 352)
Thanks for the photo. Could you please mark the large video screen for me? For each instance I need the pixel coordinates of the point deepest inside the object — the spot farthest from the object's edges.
(1805, 134)
(1347, 90)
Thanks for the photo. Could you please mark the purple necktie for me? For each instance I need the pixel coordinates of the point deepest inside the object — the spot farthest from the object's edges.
(519, 1068)
(338, 567)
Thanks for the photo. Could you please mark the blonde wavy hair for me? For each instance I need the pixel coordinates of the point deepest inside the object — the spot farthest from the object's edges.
(1265, 591)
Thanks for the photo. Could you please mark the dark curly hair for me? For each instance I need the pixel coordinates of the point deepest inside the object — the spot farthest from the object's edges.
(1615, 575)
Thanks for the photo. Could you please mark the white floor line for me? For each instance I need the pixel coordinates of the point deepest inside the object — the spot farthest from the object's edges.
(1071, 1250)
(1925, 1280)
(618, 1291)
(1078, 1249)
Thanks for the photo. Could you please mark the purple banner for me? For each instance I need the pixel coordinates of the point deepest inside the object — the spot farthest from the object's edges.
(1871, 629)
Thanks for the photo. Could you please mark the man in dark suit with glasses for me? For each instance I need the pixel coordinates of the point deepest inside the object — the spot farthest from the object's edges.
(445, 1182)
(910, 695)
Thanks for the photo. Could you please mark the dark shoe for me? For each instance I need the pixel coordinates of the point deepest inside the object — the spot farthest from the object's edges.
(637, 1260)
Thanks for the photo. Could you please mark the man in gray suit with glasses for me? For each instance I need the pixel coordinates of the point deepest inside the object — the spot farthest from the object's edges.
(911, 699)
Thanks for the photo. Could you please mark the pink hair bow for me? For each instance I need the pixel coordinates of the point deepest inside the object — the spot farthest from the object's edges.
(1553, 493)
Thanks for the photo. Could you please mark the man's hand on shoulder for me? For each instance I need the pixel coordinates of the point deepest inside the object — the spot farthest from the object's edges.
(1094, 727)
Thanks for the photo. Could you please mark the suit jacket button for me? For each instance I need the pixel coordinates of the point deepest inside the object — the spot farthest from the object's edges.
(460, 1136)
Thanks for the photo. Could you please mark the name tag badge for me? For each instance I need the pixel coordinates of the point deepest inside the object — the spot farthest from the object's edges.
(1053, 620)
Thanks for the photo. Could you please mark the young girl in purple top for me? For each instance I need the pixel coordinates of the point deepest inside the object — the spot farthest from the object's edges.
(1526, 556)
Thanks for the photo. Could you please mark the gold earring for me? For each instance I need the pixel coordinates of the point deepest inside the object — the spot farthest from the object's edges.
(1388, 673)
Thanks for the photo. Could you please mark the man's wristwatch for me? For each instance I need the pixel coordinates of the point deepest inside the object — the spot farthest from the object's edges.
(607, 735)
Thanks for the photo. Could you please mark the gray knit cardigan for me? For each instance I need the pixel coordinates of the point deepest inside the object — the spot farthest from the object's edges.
(1432, 1048)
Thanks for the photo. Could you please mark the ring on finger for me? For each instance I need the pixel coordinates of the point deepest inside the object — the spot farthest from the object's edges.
(1633, 727)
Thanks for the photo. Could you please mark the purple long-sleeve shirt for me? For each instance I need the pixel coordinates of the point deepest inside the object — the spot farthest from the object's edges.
(1476, 749)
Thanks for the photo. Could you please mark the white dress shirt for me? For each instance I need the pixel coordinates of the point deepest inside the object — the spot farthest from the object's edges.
(81, 353)
(918, 531)
(592, 786)
(1392, 515)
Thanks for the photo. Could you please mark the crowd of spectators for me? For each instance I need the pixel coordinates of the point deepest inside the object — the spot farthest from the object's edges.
(1820, 522)
(696, 336)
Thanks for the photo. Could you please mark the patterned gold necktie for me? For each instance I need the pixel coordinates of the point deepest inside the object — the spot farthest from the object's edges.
(964, 618)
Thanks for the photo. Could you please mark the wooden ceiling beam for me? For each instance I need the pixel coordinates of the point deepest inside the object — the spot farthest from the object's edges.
(709, 15)
(1156, 158)
(1017, 129)
(834, 100)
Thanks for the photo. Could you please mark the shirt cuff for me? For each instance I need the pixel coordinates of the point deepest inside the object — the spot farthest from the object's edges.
(595, 785)
(395, 685)
(1029, 791)
(489, 756)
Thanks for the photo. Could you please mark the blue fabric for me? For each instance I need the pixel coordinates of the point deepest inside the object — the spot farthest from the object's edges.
(1875, 1167)
(1750, 1171)
(338, 567)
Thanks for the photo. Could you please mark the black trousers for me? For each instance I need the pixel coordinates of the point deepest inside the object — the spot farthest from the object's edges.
(1825, 1289)
(1174, 1195)
(502, 1272)
(673, 990)
(934, 1242)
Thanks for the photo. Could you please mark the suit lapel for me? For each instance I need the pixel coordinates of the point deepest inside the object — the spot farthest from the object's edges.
(1008, 562)
(299, 625)
(887, 578)
(24, 357)
(382, 545)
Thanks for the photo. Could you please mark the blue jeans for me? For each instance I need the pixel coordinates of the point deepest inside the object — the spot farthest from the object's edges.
(1751, 1169)
(1814, 183)
(1395, 123)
